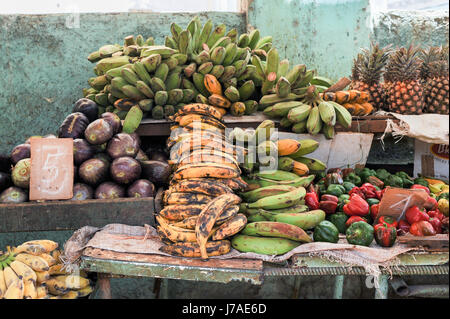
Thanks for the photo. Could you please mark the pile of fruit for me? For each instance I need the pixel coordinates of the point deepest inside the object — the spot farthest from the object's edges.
(34, 270)
(200, 208)
(109, 162)
(236, 74)
(416, 80)
(352, 197)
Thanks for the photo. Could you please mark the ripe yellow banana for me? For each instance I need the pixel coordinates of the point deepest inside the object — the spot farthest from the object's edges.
(35, 262)
(41, 292)
(49, 245)
(70, 295)
(29, 290)
(10, 276)
(208, 217)
(73, 281)
(42, 276)
(57, 270)
(49, 259)
(85, 291)
(24, 271)
(32, 249)
(3, 286)
(57, 287)
(15, 290)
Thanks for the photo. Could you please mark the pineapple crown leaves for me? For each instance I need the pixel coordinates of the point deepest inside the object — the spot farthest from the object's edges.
(372, 63)
(403, 65)
(429, 57)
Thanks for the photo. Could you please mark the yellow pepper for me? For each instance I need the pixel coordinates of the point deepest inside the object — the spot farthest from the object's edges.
(443, 206)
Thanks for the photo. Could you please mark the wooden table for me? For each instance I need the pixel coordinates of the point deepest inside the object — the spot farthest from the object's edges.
(110, 264)
(360, 124)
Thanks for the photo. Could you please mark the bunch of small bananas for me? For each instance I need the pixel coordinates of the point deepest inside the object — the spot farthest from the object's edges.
(200, 208)
(34, 270)
(162, 78)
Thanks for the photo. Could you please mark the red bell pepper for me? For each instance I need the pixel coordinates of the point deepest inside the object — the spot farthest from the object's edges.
(328, 206)
(369, 190)
(356, 190)
(326, 197)
(385, 235)
(422, 228)
(374, 209)
(356, 206)
(354, 219)
(414, 214)
(312, 200)
(437, 225)
(436, 214)
(388, 220)
(380, 193)
(431, 203)
(403, 227)
(418, 186)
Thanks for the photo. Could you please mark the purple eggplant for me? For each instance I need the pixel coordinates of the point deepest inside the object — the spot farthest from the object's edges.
(125, 170)
(122, 144)
(109, 190)
(141, 188)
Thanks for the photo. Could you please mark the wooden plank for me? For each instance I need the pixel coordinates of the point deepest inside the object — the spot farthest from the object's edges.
(179, 261)
(361, 124)
(156, 266)
(439, 241)
(72, 215)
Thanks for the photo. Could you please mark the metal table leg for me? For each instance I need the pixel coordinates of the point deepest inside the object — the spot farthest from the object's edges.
(104, 286)
(297, 283)
(382, 287)
(165, 288)
(338, 287)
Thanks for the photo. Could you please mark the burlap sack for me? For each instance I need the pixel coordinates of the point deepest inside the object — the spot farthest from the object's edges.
(144, 240)
(429, 128)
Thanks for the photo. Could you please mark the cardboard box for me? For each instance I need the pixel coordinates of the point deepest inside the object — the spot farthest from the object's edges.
(431, 160)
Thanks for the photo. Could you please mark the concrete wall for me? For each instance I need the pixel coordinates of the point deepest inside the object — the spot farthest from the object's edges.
(45, 67)
(323, 34)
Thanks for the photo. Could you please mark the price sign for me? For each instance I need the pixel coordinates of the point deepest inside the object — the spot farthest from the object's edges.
(52, 168)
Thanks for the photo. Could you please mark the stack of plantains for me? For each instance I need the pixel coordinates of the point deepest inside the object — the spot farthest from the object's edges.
(200, 207)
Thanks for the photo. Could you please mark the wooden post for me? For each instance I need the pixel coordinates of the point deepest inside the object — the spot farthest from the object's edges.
(104, 286)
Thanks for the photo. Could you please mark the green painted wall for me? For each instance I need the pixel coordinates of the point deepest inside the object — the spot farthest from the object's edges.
(323, 34)
(45, 67)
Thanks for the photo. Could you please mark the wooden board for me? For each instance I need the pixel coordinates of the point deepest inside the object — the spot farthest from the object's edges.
(361, 124)
(159, 259)
(51, 175)
(438, 242)
(72, 215)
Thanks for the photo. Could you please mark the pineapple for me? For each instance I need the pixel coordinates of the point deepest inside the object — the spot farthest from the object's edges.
(434, 73)
(367, 72)
(403, 87)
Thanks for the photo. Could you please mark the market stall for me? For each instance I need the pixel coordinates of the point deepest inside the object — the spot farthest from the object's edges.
(210, 158)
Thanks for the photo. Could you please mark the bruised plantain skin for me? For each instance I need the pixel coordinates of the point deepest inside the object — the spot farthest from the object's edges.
(231, 227)
(208, 217)
(204, 170)
(187, 199)
(192, 250)
(190, 222)
(199, 108)
(180, 212)
(201, 186)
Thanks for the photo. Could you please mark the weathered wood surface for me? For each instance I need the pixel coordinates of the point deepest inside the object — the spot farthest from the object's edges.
(360, 124)
(438, 242)
(158, 266)
(72, 215)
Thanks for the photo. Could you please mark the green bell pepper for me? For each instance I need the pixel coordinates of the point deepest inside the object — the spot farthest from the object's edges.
(407, 183)
(372, 201)
(421, 181)
(394, 181)
(382, 174)
(353, 178)
(322, 187)
(326, 231)
(348, 186)
(339, 219)
(335, 189)
(443, 195)
(319, 176)
(360, 233)
(365, 173)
